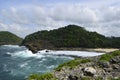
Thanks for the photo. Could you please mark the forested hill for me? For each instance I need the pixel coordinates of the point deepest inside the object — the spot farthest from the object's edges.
(69, 36)
(9, 38)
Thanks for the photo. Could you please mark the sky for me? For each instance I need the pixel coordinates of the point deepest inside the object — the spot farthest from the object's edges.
(23, 17)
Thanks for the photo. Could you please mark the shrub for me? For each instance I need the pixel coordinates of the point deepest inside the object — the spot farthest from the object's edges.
(46, 76)
(107, 57)
(72, 63)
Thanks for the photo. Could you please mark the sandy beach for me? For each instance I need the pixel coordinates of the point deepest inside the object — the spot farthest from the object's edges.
(107, 50)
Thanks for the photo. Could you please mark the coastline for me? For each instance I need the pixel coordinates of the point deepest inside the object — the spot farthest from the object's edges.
(35, 49)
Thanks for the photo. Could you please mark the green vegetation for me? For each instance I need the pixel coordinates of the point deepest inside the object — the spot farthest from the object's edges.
(73, 63)
(70, 36)
(116, 79)
(107, 57)
(47, 76)
(9, 38)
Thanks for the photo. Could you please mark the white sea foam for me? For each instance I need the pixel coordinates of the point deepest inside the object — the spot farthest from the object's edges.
(23, 65)
(70, 53)
(27, 53)
(24, 54)
(11, 46)
(52, 66)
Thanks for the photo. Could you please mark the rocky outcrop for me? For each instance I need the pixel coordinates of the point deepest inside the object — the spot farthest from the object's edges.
(89, 71)
(94, 70)
(38, 45)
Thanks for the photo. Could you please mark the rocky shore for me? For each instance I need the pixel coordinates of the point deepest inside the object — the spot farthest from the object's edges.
(90, 71)
(104, 67)
(36, 48)
(95, 68)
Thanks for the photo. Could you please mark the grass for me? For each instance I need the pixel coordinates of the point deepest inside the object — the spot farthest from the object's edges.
(116, 79)
(107, 57)
(73, 63)
(46, 76)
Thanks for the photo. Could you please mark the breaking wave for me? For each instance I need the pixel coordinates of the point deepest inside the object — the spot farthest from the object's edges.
(70, 53)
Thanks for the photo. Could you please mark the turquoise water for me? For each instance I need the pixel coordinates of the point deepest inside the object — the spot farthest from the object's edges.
(16, 63)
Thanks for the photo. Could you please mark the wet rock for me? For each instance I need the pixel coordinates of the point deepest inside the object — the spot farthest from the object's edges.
(89, 71)
(47, 51)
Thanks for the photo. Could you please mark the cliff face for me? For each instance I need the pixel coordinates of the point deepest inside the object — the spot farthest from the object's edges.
(104, 67)
(9, 38)
(71, 36)
(36, 45)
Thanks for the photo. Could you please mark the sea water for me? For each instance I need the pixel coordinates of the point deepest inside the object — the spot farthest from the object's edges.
(17, 63)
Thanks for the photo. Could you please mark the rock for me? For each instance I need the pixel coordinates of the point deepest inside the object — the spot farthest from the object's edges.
(95, 70)
(89, 71)
(115, 66)
(115, 59)
(47, 51)
(108, 69)
(105, 64)
(72, 77)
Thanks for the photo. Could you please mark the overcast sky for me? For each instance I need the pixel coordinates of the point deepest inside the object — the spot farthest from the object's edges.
(23, 17)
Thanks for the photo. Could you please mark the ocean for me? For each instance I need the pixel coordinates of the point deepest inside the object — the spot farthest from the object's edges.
(17, 63)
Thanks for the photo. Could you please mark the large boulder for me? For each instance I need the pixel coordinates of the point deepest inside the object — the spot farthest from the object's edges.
(89, 71)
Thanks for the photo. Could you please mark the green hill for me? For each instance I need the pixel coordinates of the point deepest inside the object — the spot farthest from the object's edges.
(69, 36)
(9, 38)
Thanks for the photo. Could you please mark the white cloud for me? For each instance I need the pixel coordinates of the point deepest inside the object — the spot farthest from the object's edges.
(24, 20)
(73, 13)
(14, 15)
(20, 30)
(109, 14)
